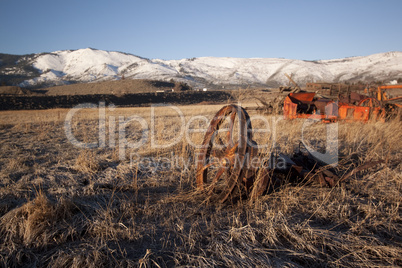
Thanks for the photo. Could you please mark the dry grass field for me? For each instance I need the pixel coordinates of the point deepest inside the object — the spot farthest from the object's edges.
(117, 87)
(63, 206)
(113, 87)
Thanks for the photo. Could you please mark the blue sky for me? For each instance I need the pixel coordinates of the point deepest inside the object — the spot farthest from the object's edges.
(177, 29)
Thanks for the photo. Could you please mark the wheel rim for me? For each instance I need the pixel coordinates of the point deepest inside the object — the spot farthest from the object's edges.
(221, 165)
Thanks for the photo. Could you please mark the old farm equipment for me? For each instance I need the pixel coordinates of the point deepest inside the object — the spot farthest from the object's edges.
(354, 108)
(305, 105)
(390, 93)
(391, 98)
(229, 164)
(366, 109)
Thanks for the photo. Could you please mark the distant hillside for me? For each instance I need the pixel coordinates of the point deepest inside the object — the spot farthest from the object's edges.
(14, 91)
(119, 87)
(91, 65)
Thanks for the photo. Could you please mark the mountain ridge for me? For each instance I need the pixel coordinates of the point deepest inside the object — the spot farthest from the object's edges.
(93, 65)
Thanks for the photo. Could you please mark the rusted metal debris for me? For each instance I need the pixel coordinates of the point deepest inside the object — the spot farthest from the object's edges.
(353, 106)
(368, 165)
(228, 162)
(229, 165)
(306, 105)
(272, 106)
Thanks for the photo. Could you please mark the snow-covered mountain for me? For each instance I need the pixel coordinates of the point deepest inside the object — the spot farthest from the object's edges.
(89, 65)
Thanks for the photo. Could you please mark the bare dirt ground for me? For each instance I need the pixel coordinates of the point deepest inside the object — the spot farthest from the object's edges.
(66, 206)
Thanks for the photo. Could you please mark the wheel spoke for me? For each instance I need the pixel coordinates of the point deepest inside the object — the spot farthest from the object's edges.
(218, 153)
(230, 132)
(215, 180)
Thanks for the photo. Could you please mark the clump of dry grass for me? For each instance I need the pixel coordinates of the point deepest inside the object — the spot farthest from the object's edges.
(15, 165)
(82, 257)
(37, 223)
(87, 162)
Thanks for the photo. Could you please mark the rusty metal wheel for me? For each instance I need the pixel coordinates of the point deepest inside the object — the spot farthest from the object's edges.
(221, 160)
